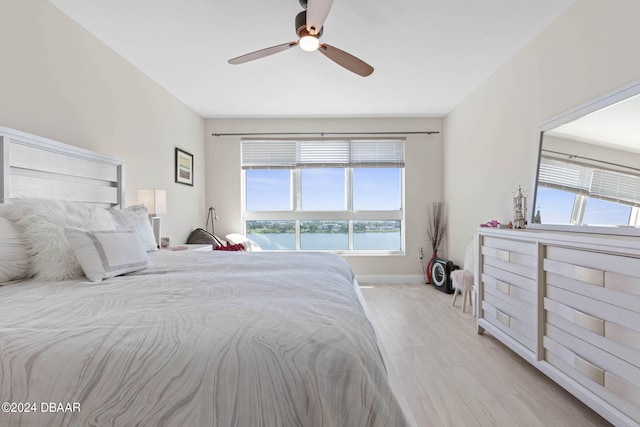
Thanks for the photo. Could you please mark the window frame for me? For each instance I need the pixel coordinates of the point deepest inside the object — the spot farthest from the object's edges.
(580, 204)
(586, 181)
(297, 214)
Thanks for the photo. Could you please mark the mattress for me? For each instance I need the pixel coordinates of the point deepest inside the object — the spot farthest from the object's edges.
(197, 339)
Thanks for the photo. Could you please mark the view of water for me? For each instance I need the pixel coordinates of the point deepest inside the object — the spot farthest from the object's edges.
(389, 241)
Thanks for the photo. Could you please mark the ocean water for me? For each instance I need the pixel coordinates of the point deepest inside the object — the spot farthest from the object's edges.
(390, 241)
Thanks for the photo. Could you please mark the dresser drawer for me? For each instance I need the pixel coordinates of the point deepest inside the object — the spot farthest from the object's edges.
(626, 321)
(613, 380)
(522, 332)
(513, 256)
(498, 294)
(527, 283)
(598, 357)
(615, 339)
(605, 277)
(502, 283)
(511, 245)
(523, 312)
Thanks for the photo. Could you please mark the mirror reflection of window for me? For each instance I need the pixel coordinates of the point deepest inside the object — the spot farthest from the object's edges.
(555, 206)
(602, 212)
(566, 207)
(572, 192)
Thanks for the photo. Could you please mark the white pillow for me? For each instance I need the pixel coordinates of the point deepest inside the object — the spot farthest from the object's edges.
(42, 224)
(136, 218)
(105, 254)
(249, 245)
(14, 259)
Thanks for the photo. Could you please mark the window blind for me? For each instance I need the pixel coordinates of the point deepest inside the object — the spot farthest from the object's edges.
(322, 154)
(615, 186)
(376, 153)
(582, 179)
(268, 154)
(564, 175)
(288, 154)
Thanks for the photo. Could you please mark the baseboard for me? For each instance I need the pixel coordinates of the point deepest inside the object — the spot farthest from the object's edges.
(389, 278)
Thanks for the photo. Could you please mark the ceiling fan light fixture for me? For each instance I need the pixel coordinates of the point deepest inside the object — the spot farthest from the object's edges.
(309, 43)
(309, 33)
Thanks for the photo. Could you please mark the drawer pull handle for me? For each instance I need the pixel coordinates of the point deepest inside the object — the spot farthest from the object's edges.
(589, 275)
(621, 387)
(589, 370)
(622, 334)
(503, 255)
(503, 318)
(590, 323)
(505, 288)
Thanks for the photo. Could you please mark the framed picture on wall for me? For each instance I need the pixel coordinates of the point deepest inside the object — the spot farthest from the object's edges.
(184, 167)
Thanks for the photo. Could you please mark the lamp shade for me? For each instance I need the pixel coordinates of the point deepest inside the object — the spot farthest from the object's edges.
(154, 200)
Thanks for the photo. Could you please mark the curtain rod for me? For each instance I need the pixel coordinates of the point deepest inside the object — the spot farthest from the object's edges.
(575, 156)
(424, 132)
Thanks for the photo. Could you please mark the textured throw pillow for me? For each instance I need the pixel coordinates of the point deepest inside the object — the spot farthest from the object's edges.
(249, 245)
(105, 254)
(14, 259)
(42, 224)
(136, 218)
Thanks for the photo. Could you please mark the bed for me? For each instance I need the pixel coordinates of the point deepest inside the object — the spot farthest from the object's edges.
(184, 338)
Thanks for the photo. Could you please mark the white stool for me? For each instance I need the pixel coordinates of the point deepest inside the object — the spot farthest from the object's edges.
(462, 282)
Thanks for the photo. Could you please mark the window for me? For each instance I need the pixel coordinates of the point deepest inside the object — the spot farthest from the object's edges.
(268, 190)
(377, 235)
(602, 212)
(272, 235)
(571, 192)
(555, 205)
(322, 189)
(344, 196)
(324, 235)
(377, 189)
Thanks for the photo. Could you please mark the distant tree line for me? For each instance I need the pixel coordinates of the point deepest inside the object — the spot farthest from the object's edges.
(337, 227)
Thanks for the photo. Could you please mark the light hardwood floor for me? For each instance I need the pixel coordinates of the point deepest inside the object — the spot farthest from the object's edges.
(445, 374)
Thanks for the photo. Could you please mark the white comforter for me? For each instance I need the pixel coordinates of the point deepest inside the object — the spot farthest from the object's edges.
(198, 339)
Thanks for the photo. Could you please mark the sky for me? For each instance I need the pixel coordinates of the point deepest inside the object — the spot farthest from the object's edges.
(556, 207)
(323, 189)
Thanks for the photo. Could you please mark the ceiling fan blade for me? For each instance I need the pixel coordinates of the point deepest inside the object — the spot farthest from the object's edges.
(346, 60)
(262, 53)
(317, 12)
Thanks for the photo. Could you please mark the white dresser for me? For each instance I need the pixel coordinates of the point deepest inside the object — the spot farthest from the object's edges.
(569, 303)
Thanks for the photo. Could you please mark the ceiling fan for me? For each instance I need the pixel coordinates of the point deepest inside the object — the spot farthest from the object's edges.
(309, 26)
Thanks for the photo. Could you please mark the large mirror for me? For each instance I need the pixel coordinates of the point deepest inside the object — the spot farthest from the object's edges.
(588, 175)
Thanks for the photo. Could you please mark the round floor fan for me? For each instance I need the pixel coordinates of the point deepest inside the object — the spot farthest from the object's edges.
(309, 26)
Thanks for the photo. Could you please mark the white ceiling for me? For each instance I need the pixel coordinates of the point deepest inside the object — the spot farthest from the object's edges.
(428, 55)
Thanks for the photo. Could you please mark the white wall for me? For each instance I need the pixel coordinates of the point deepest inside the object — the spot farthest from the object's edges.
(60, 82)
(423, 179)
(491, 141)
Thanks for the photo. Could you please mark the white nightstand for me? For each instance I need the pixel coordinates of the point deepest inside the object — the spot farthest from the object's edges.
(189, 247)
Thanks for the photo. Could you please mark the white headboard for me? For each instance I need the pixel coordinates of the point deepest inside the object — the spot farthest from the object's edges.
(39, 168)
